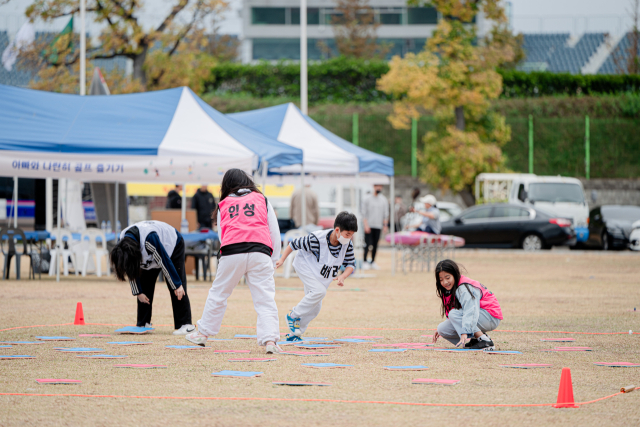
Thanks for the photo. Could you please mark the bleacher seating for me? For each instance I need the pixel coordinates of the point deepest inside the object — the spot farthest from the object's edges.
(17, 76)
(540, 47)
(621, 53)
(572, 59)
(551, 52)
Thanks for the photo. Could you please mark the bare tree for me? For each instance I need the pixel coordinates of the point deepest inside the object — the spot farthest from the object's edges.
(627, 61)
(355, 27)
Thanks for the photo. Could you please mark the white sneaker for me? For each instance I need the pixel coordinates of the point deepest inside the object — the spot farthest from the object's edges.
(273, 348)
(148, 325)
(374, 266)
(184, 330)
(197, 338)
(366, 266)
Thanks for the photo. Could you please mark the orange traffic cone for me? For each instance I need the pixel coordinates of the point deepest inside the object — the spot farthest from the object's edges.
(565, 393)
(79, 315)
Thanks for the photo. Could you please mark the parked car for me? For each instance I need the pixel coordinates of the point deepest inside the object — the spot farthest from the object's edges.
(610, 226)
(634, 238)
(561, 197)
(507, 225)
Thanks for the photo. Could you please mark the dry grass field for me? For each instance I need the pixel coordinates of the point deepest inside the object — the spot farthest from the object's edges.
(549, 291)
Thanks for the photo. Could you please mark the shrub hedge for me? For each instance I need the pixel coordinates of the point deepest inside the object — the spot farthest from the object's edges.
(337, 80)
(342, 80)
(518, 84)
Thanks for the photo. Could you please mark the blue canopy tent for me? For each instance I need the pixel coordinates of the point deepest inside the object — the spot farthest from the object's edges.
(169, 135)
(164, 136)
(324, 153)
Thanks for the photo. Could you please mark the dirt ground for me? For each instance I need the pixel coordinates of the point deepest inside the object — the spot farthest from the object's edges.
(548, 291)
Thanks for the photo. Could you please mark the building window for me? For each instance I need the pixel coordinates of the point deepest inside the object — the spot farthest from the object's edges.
(276, 49)
(391, 16)
(279, 49)
(269, 16)
(313, 16)
(422, 15)
(272, 49)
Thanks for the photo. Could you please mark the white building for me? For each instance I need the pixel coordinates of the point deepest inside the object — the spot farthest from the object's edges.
(271, 28)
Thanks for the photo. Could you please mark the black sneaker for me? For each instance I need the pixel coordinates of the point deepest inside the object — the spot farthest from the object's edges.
(471, 343)
(482, 345)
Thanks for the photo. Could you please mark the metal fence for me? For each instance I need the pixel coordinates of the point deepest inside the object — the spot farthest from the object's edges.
(577, 146)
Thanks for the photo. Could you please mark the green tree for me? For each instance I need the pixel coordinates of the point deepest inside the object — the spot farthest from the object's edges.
(455, 79)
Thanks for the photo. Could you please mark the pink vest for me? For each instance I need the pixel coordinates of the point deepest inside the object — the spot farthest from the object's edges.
(488, 301)
(244, 220)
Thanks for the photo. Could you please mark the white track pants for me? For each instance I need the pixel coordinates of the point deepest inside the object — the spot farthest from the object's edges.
(309, 307)
(258, 269)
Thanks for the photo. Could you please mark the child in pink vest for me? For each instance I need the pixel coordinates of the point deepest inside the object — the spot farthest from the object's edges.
(471, 309)
(249, 247)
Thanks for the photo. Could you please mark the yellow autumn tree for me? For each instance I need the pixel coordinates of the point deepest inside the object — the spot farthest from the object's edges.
(455, 78)
(176, 51)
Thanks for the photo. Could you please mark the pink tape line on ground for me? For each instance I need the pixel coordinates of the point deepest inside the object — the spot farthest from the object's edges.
(340, 328)
(276, 399)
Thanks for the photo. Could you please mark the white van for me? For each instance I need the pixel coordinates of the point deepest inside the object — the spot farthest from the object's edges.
(557, 195)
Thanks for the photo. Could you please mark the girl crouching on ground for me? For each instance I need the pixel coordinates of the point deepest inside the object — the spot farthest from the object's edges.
(471, 309)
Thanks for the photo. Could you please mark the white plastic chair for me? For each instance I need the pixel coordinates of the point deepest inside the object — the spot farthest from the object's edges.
(90, 238)
(65, 251)
(288, 237)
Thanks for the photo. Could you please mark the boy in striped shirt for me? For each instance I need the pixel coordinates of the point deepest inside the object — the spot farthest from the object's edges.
(318, 262)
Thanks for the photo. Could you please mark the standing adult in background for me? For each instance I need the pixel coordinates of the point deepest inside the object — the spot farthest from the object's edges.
(204, 204)
(401, 211)
(311, 201)
(375, 215)
(174, 199)
(430, 215)
(414, 196)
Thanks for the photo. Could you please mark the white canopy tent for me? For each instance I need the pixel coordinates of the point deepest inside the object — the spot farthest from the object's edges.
(327, 158)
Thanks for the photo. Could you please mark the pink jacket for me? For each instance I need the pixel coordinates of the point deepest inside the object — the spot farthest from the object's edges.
(488, 301)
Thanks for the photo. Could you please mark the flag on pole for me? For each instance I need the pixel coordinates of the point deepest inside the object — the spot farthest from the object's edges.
(25, 36)
(62, 43)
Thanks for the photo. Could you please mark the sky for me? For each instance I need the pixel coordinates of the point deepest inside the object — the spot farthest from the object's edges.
(573, 16)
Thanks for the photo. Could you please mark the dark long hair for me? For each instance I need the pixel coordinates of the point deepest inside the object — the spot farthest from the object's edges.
(126, 258)
(232, 181)
(449, 266)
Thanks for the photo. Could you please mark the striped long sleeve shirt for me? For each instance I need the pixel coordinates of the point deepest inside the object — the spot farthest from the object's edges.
(311, 244)
(156, 250)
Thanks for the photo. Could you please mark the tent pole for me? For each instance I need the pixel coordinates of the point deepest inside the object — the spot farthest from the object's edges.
(265, 168)
(184, 203)
(360, 240)
(303, 221)
(339, 198)
(49, 204)
(58, 238)
(15, 202)
(115, 221)
(392, 225)
(66, 202)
